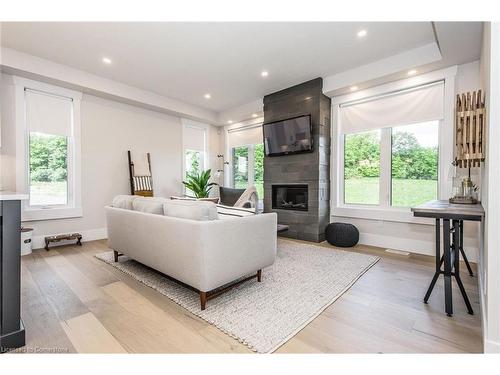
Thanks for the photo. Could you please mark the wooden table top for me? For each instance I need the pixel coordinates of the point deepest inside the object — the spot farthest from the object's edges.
(447, 210)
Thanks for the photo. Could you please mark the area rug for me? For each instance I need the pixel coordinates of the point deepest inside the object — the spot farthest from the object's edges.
(304, 281)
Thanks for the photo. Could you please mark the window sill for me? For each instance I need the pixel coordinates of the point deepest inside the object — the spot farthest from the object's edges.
(402, 215)
(51, 213)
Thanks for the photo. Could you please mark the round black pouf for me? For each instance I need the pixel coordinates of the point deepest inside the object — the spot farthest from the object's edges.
(342, 234)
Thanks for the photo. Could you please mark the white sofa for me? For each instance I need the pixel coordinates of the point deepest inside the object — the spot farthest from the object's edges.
(203, 251)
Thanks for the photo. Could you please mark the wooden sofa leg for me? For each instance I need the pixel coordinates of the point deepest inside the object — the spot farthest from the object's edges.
(203, 300)
(259, 276)
(115, 253)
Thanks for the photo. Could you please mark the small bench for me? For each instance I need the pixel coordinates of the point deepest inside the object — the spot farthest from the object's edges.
(63, 237)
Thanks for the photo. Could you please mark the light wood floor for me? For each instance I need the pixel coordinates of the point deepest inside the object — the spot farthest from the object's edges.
(73, 302)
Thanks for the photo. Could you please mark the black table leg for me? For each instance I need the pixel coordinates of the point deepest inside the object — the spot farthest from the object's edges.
(456, 245)
(461, 244)
(439, 261)
(447, 268)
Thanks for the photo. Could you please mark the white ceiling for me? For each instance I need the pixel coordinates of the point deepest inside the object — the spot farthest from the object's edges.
(187, 60)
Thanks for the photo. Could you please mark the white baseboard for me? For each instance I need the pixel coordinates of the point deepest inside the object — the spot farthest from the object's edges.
(88, 235)
(405, 244)
(491, 346)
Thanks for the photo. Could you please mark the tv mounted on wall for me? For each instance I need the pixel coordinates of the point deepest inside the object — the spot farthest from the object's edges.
(288, 136)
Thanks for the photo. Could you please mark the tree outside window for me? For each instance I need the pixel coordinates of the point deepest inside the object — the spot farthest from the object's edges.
(48, 166)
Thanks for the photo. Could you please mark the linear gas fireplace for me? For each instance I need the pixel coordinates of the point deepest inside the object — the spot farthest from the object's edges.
(290, 197)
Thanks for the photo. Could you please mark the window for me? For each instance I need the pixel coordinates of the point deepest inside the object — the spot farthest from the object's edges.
(195, 149)
(413, 157)
(240, 167)
(362, 168)
(389, 149)
(48, 135)
(258, 169)
(48, 171)
(49, 124)
(193, 161)
(247, 158)
(414, 164)
(248, 167)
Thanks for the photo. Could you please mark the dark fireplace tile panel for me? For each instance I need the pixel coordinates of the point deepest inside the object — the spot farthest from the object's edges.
(311, 169)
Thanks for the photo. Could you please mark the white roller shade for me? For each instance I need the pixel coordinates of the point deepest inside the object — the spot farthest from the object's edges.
(417, 105)
(245, 136)
(49, 114)
(194, 138)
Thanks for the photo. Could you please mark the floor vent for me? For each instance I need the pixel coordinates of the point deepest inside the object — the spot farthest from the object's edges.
(398, 252)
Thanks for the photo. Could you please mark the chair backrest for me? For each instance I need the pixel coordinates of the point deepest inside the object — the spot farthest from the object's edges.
(229, 196)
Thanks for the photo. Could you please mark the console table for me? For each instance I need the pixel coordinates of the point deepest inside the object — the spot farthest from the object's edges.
(11, 326)
(452, 217)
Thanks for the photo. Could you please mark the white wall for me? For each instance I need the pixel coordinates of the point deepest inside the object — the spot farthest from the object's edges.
(490, 258)
(109, 129)
(419, 238)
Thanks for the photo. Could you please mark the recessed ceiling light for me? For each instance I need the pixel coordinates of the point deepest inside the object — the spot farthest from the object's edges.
(264, 73)
(354, 88)
(362, 33)
(254, 115)
(412, 72)
(207, 96)
(308, 98)
(229, 121)
(106, 60)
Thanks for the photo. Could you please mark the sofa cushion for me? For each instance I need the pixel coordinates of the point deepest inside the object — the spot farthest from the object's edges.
(193, 210)
(149, 205)
(123, 201)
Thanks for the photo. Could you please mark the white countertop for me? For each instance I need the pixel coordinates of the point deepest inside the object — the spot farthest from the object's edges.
(6, 195)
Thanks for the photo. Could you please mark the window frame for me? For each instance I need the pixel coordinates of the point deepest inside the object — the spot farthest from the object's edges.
(384, 211)
(73, 208)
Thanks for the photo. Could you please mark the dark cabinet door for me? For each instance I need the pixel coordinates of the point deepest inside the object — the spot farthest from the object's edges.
(10, 262)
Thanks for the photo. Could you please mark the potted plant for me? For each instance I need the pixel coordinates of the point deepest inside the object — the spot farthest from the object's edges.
(198, 183)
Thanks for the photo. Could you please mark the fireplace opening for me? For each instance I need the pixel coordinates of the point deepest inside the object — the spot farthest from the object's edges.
(290, 197)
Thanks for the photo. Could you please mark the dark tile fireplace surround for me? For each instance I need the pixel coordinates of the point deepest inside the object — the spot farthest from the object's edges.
(297, 187)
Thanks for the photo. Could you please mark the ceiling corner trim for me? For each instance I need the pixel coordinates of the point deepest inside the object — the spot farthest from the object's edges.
(33, 67)
(413, 58)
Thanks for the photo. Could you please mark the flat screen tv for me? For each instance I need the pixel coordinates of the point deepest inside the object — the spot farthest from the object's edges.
(288, 136)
